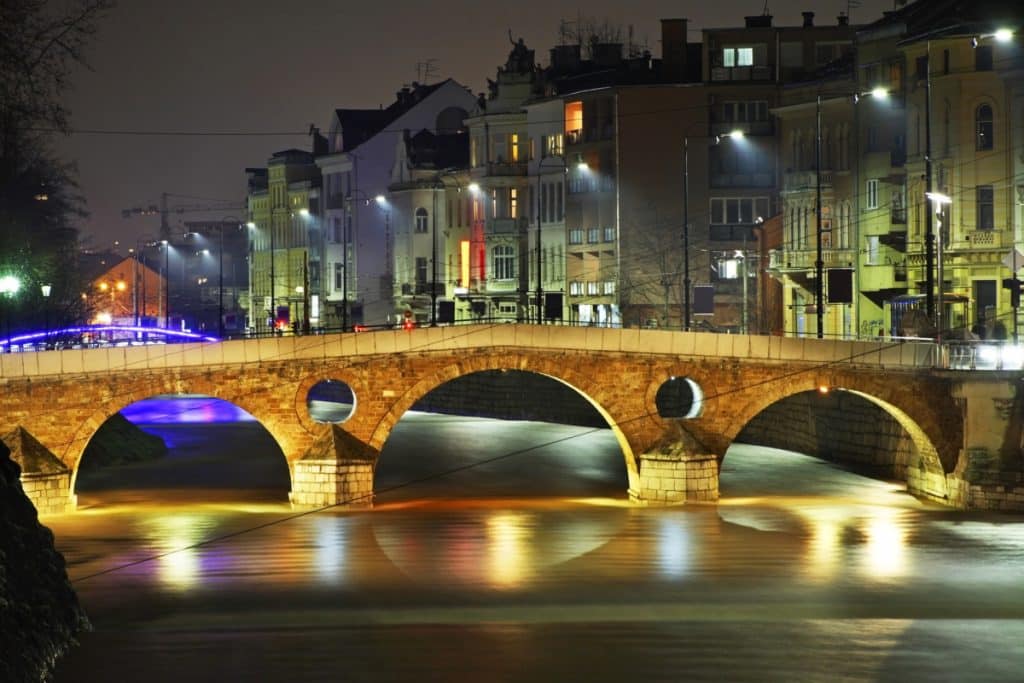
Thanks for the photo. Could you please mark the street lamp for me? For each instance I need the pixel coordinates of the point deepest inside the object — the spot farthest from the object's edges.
(938, 200)
(738, 134)
(167, 284)
(437, 184)
(540, 244)
(9, 286)
(46, 289)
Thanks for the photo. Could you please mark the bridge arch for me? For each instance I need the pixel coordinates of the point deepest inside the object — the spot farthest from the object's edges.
(933, 440)
(117, 398)
(628, 429)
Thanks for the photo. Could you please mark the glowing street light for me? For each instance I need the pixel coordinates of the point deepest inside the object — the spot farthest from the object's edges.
(9, 286)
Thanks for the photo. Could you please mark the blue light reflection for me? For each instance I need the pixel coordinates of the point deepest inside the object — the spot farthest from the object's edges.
(184, 409)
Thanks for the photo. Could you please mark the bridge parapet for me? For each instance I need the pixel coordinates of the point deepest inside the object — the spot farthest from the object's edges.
(905, 355)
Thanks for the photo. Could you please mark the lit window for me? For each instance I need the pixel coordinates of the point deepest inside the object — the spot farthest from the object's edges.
(504, 262)
(872, 194)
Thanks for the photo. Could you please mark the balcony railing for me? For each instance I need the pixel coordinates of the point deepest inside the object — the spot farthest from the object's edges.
(804, 259)
(742, 180)
(506, 168)
(741, 73)
(898, 216)
(805, 180)
(504, 226)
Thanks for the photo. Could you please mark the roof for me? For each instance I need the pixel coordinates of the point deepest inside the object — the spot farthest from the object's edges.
(932, 18)
(359, 125)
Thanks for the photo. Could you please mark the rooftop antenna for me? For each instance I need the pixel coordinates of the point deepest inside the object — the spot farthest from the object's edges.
(426, 70)
(766, 11)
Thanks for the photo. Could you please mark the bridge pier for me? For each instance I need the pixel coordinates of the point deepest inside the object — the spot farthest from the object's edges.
(989, 473)
(45, 480)
(337, 470)
(672, 475)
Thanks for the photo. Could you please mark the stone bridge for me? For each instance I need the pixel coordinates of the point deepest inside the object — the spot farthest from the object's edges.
(964, 428)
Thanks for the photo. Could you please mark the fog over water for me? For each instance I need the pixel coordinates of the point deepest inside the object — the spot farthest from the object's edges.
(532, 567)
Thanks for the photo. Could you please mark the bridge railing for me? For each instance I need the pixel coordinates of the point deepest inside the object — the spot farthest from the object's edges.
(975, 354)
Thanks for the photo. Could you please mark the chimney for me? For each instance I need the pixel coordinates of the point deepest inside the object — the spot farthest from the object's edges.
(843, 20)
(759, 21)
(808, 19)
(673, 49)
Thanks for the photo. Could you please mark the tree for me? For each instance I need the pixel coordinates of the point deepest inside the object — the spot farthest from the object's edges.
(40, 41)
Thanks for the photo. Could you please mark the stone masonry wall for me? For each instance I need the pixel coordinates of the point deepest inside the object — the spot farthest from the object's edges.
(839, 427)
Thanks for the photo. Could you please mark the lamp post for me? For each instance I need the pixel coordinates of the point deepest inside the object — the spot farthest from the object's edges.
(540, 243)
(167, 284)
(738, 134)
(438, 184)
(9, 286)
(46, 289)
(938, 200)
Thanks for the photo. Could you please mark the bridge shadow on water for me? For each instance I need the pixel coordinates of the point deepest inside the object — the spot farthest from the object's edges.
(215, 452)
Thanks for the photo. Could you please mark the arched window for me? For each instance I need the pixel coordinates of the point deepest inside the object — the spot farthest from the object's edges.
(422, 220)
(983, 127)
(504, 262)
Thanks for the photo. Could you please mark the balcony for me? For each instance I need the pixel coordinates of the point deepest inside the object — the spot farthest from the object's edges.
(804, 259)
(720, 180)
(741, 73)
(505, 226)
(898, 216)
(797, 181)
(506, 168)
(983, 239)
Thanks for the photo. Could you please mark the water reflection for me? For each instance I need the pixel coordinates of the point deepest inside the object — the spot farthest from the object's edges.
(829, 577)
(184, 409)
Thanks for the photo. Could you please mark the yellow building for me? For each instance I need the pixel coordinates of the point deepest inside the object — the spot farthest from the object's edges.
(960, 81)
(284, 243)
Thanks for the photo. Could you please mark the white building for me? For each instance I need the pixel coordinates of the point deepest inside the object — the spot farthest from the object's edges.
(356, 170)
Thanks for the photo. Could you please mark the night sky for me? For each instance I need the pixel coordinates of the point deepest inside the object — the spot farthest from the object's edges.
(259, 67)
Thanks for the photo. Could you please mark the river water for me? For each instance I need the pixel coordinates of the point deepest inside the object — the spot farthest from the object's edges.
(532, 567)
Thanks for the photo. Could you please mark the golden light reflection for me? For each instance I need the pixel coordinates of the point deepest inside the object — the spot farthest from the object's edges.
(673, 548)
(885, 555)
(175, 535)
(825, 548)
(508, 550)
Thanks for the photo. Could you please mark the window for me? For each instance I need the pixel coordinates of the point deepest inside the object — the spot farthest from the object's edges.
(421, 273)
(593, 235)
(986, 207)
(728, 269)
(551, 145)
(338, 271)
(983, 127)
(504, 262)
(872, 194)
(513, 144)
(737, 56)
(608, 287)
(609, 234)
(336, 229)
(737, 210)
(513, 203)
(983, 58)
(593, 288)
(922, 68)
(575, 288)
(422, 220)
(743, 112)
(871, 257)
(576, 236)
